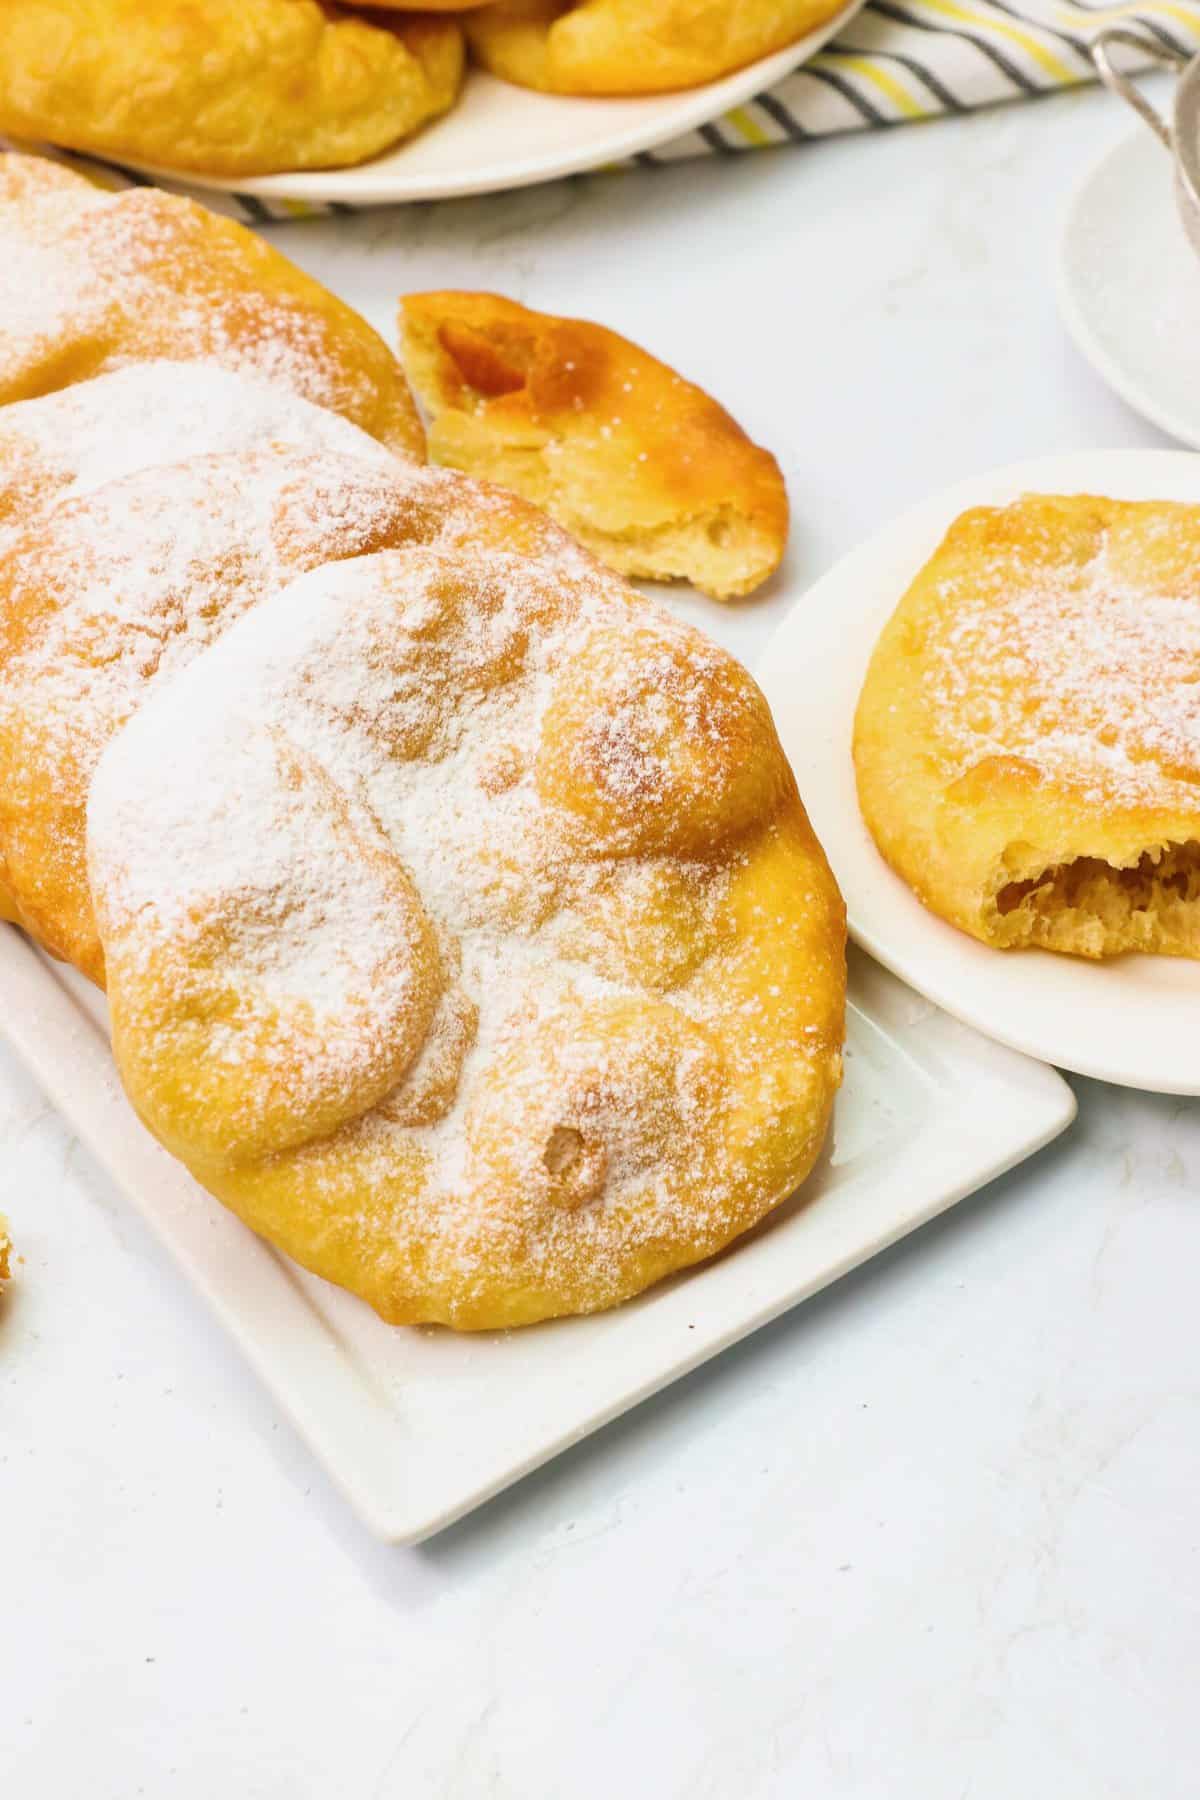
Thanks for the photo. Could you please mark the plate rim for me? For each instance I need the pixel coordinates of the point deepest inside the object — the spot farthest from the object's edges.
(689, 109)
(929, 517)
(56, 1039)
(1075, 319)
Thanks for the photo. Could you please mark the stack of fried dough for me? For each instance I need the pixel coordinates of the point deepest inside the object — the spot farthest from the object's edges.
(461, 924)
(251, 87)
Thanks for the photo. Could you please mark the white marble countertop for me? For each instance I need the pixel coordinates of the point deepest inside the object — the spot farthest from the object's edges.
(932, 1535)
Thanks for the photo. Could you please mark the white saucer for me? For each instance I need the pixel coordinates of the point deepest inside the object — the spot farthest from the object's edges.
(1129, 285)
(1134, 1020)
(501, 136)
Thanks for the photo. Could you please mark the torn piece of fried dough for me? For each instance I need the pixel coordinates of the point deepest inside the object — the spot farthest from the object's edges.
(232, 87)
(642, 466)
(1027, 742)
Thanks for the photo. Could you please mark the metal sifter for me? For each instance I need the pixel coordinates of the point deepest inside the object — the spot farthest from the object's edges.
(1182, 135)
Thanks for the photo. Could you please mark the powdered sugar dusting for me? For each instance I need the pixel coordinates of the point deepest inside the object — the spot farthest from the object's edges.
(116, 590)
(94, 432)
(91, 281)
(1088, 666)
(567, 1106)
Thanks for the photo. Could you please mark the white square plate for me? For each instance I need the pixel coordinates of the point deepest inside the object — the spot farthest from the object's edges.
(419, 1426)
(1131, 1019)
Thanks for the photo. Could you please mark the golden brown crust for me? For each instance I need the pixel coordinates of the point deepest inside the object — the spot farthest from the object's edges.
(91, 280)
(508, 989)
(633, 46)
(233, 87)
(5, 1250)
(643, 467)
(1027, 741)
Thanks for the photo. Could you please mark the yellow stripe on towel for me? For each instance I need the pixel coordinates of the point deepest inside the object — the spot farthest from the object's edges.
(753, 133)
(964, 15)
(867, 69)
(1137, 11)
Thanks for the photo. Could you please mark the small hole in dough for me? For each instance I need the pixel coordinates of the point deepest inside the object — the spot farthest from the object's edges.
(719, 532)
(563, 1149)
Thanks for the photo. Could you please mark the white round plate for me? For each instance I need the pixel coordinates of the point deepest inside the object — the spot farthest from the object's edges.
(1129, 285)
(501, 136)
(1133, 1020)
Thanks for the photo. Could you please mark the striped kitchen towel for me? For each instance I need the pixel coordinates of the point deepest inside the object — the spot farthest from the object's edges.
(898, 60)
(894, 61)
